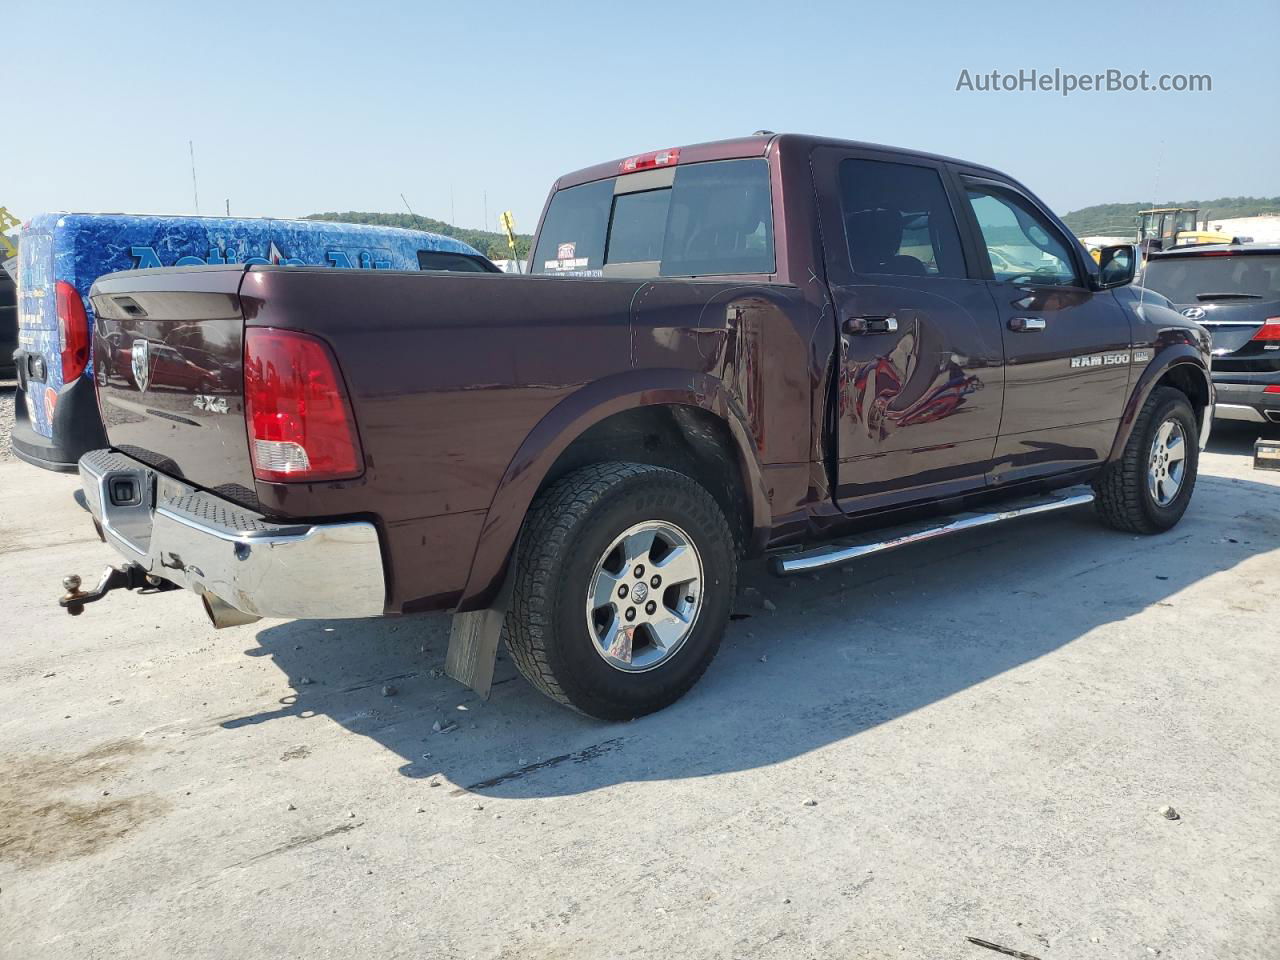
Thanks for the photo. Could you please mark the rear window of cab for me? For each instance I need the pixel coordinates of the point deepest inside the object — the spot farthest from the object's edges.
(701, 219)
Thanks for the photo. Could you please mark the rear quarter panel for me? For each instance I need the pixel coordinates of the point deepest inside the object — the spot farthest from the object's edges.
(448, 376)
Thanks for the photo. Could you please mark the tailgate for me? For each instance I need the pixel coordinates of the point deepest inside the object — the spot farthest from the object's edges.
(1235, 324)
(169, 363)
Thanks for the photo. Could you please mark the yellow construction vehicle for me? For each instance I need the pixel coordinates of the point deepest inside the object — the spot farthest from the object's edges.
(7, 220)
(1163, 227)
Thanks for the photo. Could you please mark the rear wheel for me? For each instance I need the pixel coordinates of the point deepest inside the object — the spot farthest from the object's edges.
(1147, 490)
(623, 585)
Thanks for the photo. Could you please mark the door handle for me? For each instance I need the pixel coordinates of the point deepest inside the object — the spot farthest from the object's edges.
(1026, 324)
(861, 326)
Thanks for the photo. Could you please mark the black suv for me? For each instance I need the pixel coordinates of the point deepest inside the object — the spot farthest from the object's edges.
(1234, 291)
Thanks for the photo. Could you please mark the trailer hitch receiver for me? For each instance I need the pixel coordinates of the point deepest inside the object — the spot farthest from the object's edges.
(131, 576)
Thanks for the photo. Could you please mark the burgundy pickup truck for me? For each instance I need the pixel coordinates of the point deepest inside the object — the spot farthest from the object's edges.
(733, 349)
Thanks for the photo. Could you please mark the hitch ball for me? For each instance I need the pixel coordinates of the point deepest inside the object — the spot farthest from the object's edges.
(72, 585)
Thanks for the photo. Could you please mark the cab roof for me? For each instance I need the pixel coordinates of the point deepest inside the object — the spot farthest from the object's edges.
(756, 145)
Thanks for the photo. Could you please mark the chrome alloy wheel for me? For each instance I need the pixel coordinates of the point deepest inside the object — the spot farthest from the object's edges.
(644, 596)
(1167, 463)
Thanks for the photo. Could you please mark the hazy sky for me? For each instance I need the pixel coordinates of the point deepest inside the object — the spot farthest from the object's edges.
(296, 109)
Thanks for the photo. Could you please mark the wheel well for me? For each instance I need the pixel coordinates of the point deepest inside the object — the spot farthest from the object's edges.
(683, 438)
(1191, 381)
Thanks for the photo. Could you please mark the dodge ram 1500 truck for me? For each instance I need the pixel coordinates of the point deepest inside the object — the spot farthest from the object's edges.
(731, 349)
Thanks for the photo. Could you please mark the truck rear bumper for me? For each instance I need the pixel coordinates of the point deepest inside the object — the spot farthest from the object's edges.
(226, 553)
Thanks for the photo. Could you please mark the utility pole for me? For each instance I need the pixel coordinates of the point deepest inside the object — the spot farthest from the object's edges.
(486, 210)
(195, 189)
(228, 201)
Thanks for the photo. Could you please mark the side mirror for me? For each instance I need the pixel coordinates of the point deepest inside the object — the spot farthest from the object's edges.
(1117, 265)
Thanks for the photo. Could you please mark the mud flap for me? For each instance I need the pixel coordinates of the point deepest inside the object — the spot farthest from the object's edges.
(473, 643)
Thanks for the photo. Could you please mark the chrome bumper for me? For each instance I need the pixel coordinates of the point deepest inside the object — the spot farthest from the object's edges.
(1238, 411)
(212, 546)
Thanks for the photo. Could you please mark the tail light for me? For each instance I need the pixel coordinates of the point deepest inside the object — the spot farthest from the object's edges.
(297, 410)
(73, 331)
(1273, 388)
(1270, 329)
(648, 161)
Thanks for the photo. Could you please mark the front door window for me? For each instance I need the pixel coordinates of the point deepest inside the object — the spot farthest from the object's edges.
(1021, 246)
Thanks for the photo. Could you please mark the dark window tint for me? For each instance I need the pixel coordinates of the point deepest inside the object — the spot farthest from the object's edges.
(639, 224)
(573, 231)
(720, 220)
(898, 220)
(1185, 279)
(456, 262)
(716, 218)
(1021, 245)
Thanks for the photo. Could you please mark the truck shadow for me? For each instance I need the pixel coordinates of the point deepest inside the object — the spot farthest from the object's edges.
(844, 651)
(1235, 438)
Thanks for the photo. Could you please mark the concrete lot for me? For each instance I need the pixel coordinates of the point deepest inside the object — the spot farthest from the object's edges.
(6, 418)
(987, 726)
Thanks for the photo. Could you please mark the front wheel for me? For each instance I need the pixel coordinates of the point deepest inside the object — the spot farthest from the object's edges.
(623, 584)
(1148, 489)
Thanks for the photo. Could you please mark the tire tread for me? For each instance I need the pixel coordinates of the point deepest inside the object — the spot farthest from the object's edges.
(555, 517)
(1118, 491)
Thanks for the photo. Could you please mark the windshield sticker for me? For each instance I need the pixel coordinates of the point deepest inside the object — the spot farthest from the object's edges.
(571, 263)
(566, 258)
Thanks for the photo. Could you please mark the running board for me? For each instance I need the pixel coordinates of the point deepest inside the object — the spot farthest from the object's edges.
(831, 554)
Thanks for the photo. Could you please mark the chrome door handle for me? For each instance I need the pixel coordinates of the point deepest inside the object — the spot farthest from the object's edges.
(1026, 324)
(866, 325)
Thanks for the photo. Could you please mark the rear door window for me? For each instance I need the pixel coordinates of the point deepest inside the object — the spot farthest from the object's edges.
(898, 220)
(703, 219)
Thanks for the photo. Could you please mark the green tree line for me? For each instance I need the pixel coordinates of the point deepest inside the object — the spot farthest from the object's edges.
(488, 242)
(1120, 219)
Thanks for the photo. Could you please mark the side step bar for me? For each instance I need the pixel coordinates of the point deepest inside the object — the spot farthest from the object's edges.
(829, 555)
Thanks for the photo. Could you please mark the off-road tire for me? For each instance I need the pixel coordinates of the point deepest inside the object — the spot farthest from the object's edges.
(568, 528)
(1123, 500)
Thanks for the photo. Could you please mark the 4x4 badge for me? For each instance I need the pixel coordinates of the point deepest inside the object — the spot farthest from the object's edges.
(141, 364)
(204, 401)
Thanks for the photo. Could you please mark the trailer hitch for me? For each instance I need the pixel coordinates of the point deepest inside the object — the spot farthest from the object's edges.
(132, 576)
